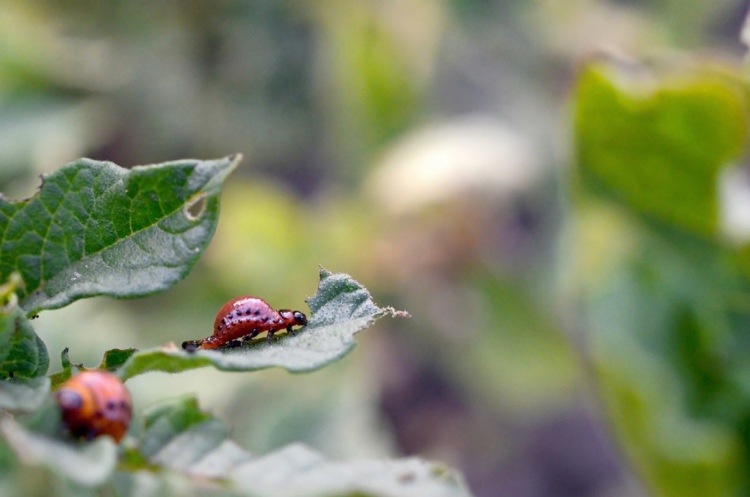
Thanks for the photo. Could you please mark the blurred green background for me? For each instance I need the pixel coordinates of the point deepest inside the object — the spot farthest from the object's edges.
(421, 146)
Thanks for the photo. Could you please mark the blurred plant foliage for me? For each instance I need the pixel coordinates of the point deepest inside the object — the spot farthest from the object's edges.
(94, 228)
(658, 156)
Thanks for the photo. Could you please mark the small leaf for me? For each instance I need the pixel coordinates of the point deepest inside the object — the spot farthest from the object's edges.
(341, 308)
(113, 359)
(66, 373)
(88, 464)
(95, 228)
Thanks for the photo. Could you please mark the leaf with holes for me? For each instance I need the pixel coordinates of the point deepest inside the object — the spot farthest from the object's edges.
(341, 308)
(95, 228)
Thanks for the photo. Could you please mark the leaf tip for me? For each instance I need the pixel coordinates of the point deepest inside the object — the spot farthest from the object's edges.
(324, 273)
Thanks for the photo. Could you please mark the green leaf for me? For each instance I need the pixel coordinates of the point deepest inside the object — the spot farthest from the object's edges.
(22, 353)
(113, 359)
(95, 228)
(341, 308)
(87, 464)
(658, 147)
(664, 348)
(297, 470)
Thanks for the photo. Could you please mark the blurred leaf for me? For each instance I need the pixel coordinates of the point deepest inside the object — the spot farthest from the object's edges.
(180, 437)
(297, 471)
(662, 349)
(86, 463)
(340, 309)
(658, 149)
(23, 395)
(22, 353)
(95, 228)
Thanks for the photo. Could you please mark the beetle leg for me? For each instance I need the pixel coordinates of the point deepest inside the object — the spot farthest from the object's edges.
(270, 335)
(290, 330)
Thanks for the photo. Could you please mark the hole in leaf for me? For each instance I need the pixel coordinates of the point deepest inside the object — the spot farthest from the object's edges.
(195, 207)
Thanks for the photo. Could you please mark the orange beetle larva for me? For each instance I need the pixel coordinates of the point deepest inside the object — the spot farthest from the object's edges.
(95, 403)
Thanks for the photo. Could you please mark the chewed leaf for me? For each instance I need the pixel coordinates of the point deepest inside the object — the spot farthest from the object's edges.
(341, 308)
(658, 148)
(95, 228)
(113, 359)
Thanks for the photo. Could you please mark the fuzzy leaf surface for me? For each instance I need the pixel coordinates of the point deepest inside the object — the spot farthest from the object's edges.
(341, 308)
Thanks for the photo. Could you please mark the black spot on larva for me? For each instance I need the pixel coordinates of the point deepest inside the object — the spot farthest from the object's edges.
(111, 405)
(219, 327)
(264, 319)
(257, 312)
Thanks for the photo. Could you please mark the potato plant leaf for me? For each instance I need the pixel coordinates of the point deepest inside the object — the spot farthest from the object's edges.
(341, 308)
(95, 228)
